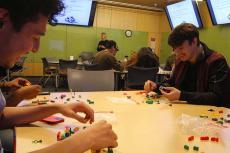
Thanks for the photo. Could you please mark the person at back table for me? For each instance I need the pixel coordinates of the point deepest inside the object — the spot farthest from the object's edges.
(170, 62)
(22, 23)
(106, 59)
(145, 58)
(102, 43)
(201, 75)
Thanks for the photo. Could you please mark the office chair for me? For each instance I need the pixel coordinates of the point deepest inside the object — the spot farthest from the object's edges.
(81, 80)
(17, 68)
(49, 72)
(138, 75)
(92, 67)
(63, 66)
(87, 57)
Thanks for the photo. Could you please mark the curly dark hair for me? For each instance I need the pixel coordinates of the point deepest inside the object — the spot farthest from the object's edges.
(23, 11)
(183, 32)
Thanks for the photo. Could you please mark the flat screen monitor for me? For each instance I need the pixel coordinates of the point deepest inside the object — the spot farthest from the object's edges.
(183, 12)
(77, 12)
(219, 11)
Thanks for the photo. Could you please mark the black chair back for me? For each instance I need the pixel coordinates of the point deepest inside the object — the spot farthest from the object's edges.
(65, 64)
(45, 63)
(18, 66)
(21, 61)
(92, 67)
(138, 75)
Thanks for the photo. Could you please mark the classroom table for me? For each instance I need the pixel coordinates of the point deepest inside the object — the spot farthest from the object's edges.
(141, 127)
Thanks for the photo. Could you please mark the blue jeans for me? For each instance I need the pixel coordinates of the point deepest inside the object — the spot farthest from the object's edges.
(7, 140)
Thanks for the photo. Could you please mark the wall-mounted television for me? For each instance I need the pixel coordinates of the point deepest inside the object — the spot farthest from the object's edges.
(183, 12)
(219, 11)
(77, 12)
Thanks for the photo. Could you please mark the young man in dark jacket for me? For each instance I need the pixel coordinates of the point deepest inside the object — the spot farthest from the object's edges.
(201, 75)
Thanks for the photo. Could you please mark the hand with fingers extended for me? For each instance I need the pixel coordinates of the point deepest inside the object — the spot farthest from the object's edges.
(72, 110)
(171, 93)
(150, 86)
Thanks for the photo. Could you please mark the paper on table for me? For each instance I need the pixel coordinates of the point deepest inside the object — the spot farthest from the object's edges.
(109, 117)
(120, 100)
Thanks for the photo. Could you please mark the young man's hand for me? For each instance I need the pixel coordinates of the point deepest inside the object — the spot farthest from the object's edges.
(171, 93)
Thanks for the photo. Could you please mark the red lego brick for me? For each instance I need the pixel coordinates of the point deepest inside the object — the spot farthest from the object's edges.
(191, 138)
(213, 139)
(204, 138)
(221, 111)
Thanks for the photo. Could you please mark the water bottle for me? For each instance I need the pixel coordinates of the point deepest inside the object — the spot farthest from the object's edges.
(125, 62)
(80, 64)
(125, 59)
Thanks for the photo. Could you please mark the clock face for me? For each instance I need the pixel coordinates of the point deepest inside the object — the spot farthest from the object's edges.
(128, 33)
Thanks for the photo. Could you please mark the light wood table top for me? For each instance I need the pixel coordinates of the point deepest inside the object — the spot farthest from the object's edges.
(141, 127)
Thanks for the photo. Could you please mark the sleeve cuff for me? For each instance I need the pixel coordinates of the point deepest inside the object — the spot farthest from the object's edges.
(183, 95)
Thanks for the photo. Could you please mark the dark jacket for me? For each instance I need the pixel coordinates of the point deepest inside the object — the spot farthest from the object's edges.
(100, 44)
(212, 80)
(106, 61)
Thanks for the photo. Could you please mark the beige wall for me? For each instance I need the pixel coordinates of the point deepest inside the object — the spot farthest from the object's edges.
(126, 18)
(133, 19)
(165, 27)
(205, 16)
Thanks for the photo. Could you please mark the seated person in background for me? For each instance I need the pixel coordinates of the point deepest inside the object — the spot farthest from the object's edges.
(106, 59)
(20, 32)
(132, 60)
(170, 62)
(145, 58)
(201, 75)
(102, 42)
(19, 90)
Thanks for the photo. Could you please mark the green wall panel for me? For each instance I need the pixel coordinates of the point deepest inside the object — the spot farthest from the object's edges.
(80, 39)
(53, 44)
(217, 38)
(63, 41)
